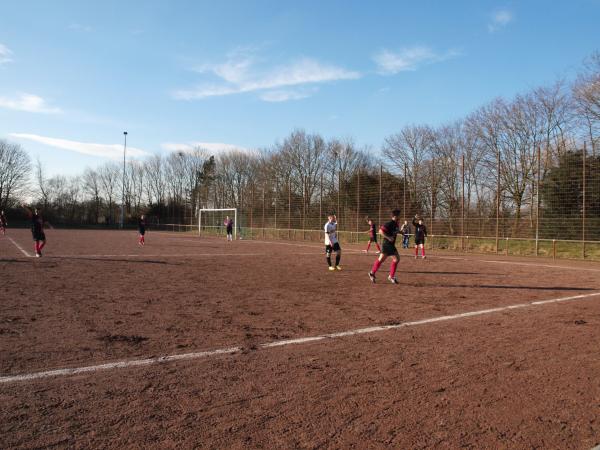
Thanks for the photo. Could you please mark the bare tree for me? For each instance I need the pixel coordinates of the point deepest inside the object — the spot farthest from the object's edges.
(14, 171)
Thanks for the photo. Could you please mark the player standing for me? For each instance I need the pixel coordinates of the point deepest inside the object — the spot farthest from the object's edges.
(372, 236)
(331, 242)
(420, 235)
(388, 231)
(142, 230)
(229, 226)
(405, 230)
(3, 223)
(37, 231)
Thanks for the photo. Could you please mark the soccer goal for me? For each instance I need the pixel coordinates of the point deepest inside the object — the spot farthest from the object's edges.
(211, 221)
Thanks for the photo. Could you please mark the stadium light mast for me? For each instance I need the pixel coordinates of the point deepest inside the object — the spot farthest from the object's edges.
(123, 184)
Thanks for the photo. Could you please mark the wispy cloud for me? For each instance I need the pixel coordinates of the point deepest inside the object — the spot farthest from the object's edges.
(213, 148)
(29, 103)
(409, 59)
(80, 27)
(500, 19)
(110, 151)
(240, 74)
(5, 54)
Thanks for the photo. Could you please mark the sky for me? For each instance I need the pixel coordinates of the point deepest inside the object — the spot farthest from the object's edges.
(243, 74)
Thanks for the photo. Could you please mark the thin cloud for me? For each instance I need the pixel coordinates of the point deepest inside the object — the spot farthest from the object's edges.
(239, 75)
(213, 148)
(285, 95)
(500, 19)
(5, 54)
(79, 27)
(408, 59)
(110, 151)
(30, 103)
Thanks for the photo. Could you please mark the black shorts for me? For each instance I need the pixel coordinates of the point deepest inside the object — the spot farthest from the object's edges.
(142, 231)
(373, 238)
(389, 249)
(420, 241)
(39, 236)
(229, 230)
(335, 247)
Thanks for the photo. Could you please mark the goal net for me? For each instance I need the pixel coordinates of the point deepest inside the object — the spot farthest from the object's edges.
(212, 221)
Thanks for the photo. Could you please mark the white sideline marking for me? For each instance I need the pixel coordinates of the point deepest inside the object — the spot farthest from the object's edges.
(19, 247)
(231, 350)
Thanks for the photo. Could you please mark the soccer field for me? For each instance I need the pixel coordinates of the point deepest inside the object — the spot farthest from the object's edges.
(197, 342)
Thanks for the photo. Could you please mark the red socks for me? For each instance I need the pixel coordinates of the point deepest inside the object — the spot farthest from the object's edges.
(423, 251)
(369, 246)
(378, 247)
(416, 250)
(376, 266)
(393, 268)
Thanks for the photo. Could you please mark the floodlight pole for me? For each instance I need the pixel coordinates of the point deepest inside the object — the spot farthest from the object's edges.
(123, 184)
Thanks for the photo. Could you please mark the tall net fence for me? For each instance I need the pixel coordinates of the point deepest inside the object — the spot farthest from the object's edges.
(552, 209)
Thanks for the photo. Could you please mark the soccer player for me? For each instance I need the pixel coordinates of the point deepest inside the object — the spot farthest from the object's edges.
(420, 235)
(388, 231)
(142, 230)
(229, 225)
(37, 231)
(405, 230)
(3, 223)
(331, 242)
(372, 236)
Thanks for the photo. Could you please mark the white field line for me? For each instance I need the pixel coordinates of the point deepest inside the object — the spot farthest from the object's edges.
(180, 255)
(19, 247)
(322, 337)
(516, 263)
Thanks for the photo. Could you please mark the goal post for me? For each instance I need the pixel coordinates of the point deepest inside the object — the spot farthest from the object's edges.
(203, 213)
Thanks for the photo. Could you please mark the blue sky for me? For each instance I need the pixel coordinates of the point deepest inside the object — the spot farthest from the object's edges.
(74, 75)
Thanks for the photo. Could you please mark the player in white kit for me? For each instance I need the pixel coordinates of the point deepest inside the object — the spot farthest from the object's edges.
(331, 242)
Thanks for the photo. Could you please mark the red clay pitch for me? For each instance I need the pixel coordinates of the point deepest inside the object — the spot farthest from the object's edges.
(518, 378)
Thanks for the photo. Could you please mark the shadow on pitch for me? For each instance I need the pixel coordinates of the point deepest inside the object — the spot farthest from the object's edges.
(500, 286)
(137, 261)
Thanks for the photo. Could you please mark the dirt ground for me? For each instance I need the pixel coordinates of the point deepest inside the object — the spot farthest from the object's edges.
(518, 378)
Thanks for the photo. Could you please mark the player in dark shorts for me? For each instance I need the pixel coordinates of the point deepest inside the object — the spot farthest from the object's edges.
(142, 230)
(388, 231)
(229, 226)
(420, 235)
(372, 236)
(37, 232)
(331, 242)
(3, 222)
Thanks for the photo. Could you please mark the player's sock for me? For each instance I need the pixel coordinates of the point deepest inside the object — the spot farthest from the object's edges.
(337, 259)
(393, 268)
(378, 247)
(416, 251)
(36, 246)
(368, 245)
(42, 245)
(423, 252)
(329, 260)
(376, 266)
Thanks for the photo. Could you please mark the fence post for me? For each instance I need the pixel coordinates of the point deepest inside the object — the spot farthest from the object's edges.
(252, 212)
(339, 212)
(289, 207)
(507, 241)
(357, 198)
(303, 210)
(432, 193)
(498, 199)
(462, 205)
(380, 192)
(321, 198)
(583, 209)
(276, 193)
(263, 212)
(553, 248)
(537, 205)
(404, 193)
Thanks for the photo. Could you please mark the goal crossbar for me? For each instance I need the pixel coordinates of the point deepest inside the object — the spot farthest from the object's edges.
(205, 210)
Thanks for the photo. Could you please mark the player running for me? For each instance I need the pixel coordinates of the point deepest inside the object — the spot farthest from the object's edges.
(420, 235)
(37, 231)
(372, 236)
(3, 223)
(388, 231)
(142, 230)
(229, 226)
(331, 242)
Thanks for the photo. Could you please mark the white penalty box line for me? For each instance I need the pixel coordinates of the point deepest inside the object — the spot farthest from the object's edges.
(281, 343)
(26, 253)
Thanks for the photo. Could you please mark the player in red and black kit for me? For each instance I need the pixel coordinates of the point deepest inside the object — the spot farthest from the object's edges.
(37, 231)
(388, 231)
(372, 236)
(420, 235)
(142, 229)
(3, 222)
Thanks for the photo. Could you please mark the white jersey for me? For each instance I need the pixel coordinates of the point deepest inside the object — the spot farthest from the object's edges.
(331, 233)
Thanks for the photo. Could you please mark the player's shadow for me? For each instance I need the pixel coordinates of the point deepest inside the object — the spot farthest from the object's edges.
(500, 286)
(441, 272)
(127, 260)
(24, 261)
